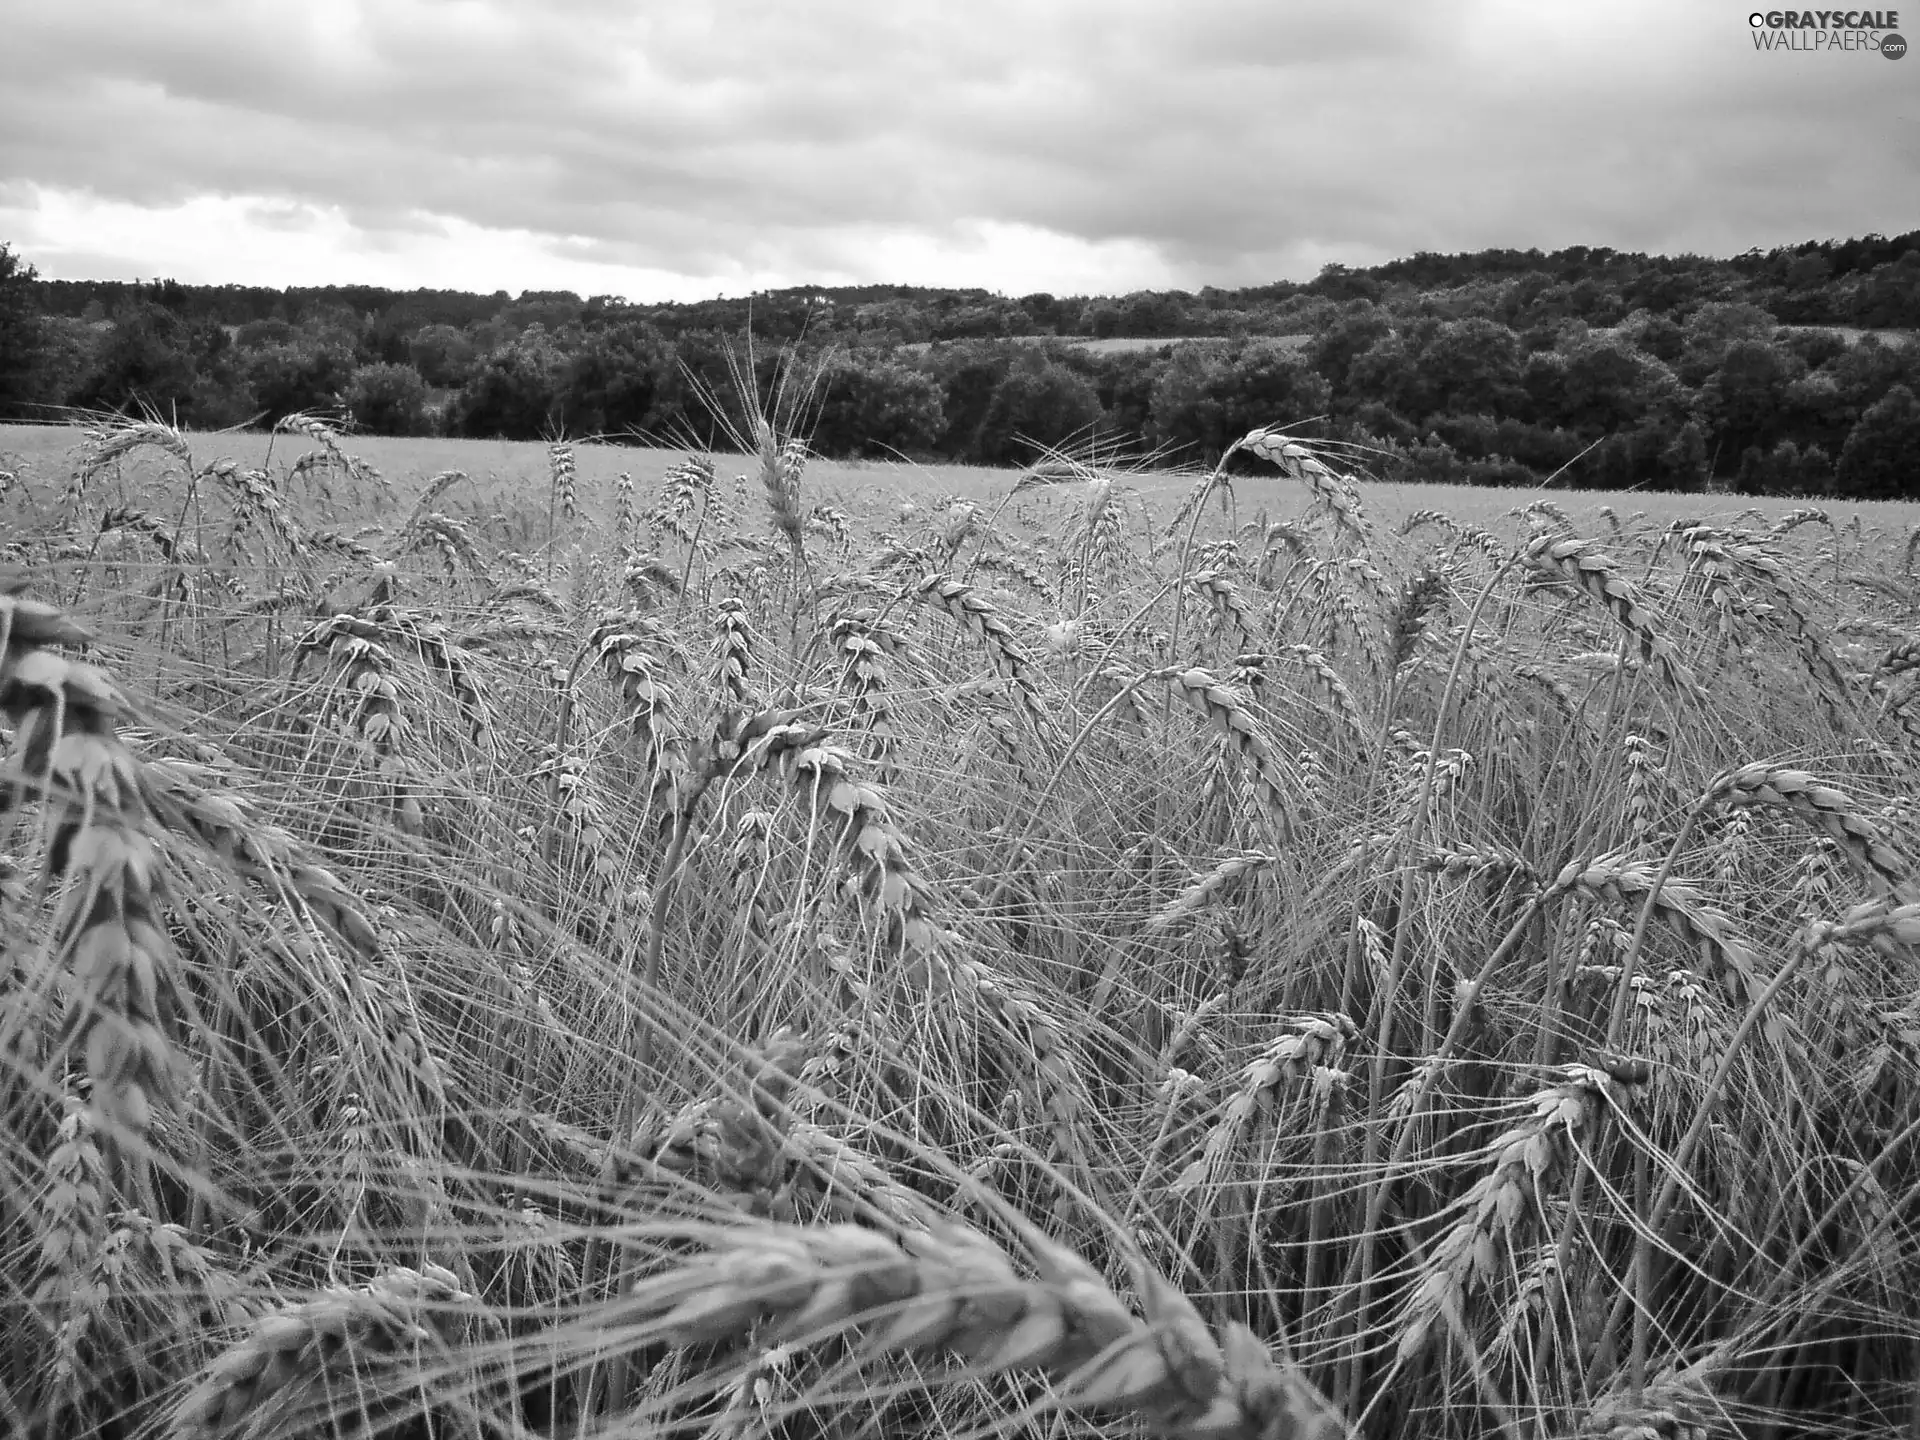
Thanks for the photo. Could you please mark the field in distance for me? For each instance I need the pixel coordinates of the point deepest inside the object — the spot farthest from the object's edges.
(505, 473)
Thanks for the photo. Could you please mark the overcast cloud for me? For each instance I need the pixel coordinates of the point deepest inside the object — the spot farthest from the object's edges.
(681, 150)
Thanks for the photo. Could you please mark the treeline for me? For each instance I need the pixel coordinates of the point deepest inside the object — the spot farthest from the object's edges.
(1501, 367)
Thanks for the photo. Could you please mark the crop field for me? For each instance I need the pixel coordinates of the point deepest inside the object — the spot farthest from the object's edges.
(506, 940)
(502, 476)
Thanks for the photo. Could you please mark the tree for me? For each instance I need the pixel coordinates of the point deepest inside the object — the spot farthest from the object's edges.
(699, 400)
(1881, 459)
(1043, 308)
(23, 340)
(1155, 314)
(1101, 320)
(1471, 366)
(1388, 373)
(1265, 382)
(68, 355)
(1683, 460)
(893, 322)
(1815, 347)
(967, 375)
(1868, 370)
(304, 375)
(256, 334)
(1540, 449)
(1209, 396)
(613, 382)
(1891, 294)
(1744, 400)
(1333, 351)
(515, 394)
(1608, 386)
(552, 310)
(1657, 336)
(991, 319)
(148, 360)
(1123, 381)
(1337, 282)
(1375, 426)
(221, 397)
(1786, 469)
(389, 400)
(443, 355)
(876, 407)
(1038, 404)
(1712, 329)
(1808, 272)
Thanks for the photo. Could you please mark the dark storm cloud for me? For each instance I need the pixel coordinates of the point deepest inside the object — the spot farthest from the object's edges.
(1225, 142)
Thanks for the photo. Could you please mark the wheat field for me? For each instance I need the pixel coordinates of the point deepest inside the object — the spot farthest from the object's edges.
(739, 952)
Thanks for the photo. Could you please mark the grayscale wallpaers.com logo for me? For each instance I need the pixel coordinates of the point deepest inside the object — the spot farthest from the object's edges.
(1867, 30)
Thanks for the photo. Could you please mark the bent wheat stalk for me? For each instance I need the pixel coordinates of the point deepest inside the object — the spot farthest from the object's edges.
(109, 935)
(953, 1289)
(370, 1349)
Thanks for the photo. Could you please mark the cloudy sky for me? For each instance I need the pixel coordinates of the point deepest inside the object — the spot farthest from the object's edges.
(686, 148)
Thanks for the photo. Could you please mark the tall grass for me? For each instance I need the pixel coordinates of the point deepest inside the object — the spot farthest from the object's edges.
(695, 960)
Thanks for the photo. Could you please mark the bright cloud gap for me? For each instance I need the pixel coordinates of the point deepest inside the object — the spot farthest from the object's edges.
(275, 242)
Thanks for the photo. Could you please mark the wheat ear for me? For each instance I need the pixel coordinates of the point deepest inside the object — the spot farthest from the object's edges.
(982, 620)
(325, 436)
(1507, 1200)
(1203, 889)
(1337, 492)
(952, 1289)
(1231, 717)
(109, 933)
(1598, 577)
(1227, 600)
(360, 1349)
(781, 465)
(1823, 806)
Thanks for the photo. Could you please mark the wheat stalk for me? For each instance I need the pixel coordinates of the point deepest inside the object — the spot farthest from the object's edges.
(328, 439)
(382, 1352)
(1597, 576)
(1615, 879)
(979, 618)
(1230, 716)
(563, 477)
(865, 646)
(228, 825)
(108, 443)
(735, 640)
(1227, 601)
(1308, 1045)
(1206, 887)
(448, 537)
(952, 1289)
(1337, 493)
(781, 466)
(108, 934)
(1825, 807)
(365, 689)
(1498, 1211)
(1328, 682)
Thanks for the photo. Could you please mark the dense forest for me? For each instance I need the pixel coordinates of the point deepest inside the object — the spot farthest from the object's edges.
(1790, 371)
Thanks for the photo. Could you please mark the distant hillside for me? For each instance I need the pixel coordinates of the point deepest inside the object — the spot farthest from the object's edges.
(1786, 371)
(1823, 282)
(1123, 344)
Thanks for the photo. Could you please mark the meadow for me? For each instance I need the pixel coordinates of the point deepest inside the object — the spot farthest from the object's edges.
(554, 940)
